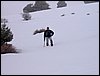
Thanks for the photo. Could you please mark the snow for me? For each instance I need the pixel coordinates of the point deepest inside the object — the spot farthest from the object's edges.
(76, 42)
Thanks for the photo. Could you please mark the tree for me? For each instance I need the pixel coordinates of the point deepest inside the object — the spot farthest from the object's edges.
(38, 31)
(61, 4)
(6, 34)
(40, 5)
(28, 8)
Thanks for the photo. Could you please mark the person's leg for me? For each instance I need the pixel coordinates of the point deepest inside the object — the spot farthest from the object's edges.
(47, 44)
(51, 41)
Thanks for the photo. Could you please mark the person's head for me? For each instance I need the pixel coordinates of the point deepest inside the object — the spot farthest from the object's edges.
(47, 28)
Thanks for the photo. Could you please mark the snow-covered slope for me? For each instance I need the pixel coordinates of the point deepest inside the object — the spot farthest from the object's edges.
(76, 43)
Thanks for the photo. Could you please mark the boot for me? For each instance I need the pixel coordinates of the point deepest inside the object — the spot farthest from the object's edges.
(51, 44)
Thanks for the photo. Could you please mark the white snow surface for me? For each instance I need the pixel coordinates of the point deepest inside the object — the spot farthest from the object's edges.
(76, 42)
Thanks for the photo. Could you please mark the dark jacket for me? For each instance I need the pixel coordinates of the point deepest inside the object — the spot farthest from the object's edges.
(48, 33)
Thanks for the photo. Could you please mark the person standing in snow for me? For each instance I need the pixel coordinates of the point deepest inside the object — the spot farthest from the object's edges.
(48, 36)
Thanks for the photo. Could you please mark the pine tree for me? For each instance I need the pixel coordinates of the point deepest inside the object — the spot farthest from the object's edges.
(61, 4)
(6, 34)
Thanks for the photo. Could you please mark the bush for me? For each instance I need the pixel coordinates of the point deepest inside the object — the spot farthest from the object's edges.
(7, 48)
(26, 16)
(3, 20)
(28, 8)
(86, 2)
(38, 6)
(61, 4)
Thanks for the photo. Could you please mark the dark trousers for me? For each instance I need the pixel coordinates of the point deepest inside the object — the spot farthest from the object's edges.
(47, 41)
